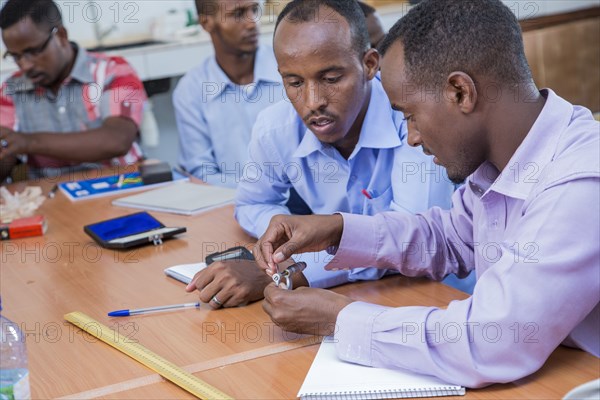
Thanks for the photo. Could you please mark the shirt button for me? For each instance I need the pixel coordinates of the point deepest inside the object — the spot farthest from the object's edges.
(495, 223)
(476, 188)
(62, 109)
(353, 178)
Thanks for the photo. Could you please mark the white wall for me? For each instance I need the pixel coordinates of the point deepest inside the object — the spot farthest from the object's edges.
(523, 9)
(134, 18)
(527, 9)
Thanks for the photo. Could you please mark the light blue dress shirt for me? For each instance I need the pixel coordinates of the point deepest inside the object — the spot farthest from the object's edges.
(283, 153)
(215, 117)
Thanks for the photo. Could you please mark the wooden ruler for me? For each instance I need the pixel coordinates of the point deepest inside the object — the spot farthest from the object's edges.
(166, 369)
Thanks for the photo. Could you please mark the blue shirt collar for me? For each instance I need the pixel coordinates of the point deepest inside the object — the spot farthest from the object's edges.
(265, 70)
(81, 68)
(380, 129)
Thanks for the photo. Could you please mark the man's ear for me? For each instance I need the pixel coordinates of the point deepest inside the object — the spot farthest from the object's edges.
(63, 35)
(460, 89)
(371, 63)
(207, 22)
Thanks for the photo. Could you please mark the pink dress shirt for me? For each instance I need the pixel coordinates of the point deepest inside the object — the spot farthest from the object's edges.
(532, 235)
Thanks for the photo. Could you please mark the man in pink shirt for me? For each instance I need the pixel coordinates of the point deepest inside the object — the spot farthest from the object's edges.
(66, 108)
(527, 220)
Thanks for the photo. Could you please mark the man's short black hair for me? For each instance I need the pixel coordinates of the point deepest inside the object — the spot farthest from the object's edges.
(308, 10)
(43, 13)
(207, 7)
(366, 8)
(478, 37)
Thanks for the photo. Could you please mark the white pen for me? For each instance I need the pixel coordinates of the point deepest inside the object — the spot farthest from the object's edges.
(120, 182)
(127, 313)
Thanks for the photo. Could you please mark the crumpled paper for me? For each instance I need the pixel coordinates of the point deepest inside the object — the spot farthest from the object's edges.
(19, 205)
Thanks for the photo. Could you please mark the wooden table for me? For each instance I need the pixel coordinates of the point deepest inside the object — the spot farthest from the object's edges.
(238, 350)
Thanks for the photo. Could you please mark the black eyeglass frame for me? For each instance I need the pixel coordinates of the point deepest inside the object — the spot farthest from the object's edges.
(32, 52)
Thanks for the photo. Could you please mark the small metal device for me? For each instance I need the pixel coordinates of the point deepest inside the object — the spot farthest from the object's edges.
(286, 276)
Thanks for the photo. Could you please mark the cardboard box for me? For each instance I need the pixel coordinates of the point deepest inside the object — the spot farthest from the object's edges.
(24, 227)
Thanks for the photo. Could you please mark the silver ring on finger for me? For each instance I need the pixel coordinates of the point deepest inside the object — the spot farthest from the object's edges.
(216, 301)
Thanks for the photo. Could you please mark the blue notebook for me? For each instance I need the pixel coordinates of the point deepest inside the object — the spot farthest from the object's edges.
(108, 185)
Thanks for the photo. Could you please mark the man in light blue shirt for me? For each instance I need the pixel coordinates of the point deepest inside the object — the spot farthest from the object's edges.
(382, 173)
(336, 141)
(217, 102)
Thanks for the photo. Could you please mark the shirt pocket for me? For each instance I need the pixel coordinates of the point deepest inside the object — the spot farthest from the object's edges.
(380, 203)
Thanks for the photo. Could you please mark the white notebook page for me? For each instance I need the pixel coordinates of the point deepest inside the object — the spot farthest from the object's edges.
(331, 378)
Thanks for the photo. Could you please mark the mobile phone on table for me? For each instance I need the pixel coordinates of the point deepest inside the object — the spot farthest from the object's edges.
(234, 253)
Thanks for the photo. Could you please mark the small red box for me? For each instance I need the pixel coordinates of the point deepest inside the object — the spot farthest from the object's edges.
(24, 227)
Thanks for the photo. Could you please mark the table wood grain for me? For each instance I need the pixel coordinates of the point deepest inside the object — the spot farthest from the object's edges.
(43, 278)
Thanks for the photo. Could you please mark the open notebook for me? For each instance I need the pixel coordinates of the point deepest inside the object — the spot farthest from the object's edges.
(331, 378)
(181, 198)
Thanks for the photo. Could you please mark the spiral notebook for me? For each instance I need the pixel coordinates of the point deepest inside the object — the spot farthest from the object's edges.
(331, 378)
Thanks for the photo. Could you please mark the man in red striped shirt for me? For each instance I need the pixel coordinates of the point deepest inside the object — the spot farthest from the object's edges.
(66, 109)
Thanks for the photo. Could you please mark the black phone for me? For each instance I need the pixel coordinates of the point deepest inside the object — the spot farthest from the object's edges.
(130, 230)
(234, 253)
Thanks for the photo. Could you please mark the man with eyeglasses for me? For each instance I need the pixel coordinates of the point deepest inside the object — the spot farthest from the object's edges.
(66, 109)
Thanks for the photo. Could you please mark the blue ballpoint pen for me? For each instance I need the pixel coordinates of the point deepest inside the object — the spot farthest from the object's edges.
(127, 313)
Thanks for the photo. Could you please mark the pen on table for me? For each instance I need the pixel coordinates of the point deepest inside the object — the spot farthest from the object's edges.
(183, 172)
(52, 191)
(127, 313)
(121, 179)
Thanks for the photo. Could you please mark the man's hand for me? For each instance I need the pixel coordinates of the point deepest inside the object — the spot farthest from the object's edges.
(11, 143)
(112, 139)
(288, 235)
(232, 282)
(304, 310)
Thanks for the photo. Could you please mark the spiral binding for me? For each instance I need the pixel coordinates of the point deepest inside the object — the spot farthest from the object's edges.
(386, 394)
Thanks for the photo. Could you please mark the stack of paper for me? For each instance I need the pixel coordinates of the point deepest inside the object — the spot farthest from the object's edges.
(182, 198)
(184, 272)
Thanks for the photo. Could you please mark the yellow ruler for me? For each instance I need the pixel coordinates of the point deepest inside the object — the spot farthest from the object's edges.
(166, 369)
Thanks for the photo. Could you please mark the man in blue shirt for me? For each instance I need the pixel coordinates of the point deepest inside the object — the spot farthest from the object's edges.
(336, 141)
(217, 102)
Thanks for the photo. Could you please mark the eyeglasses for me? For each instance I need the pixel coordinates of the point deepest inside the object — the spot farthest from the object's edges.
(33, 52)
